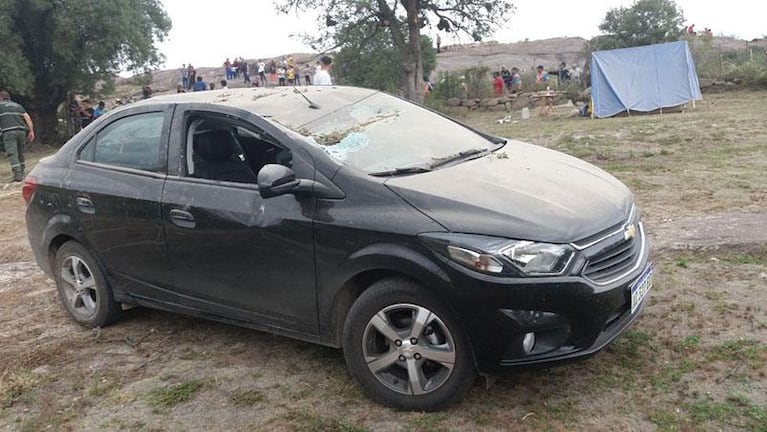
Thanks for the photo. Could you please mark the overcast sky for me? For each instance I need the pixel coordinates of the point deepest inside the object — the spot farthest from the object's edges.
(205, 35)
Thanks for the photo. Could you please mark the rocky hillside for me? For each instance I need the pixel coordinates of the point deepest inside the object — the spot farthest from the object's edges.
(524, 55)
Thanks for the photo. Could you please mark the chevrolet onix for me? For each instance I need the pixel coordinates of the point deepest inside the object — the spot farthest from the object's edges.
(425, 249)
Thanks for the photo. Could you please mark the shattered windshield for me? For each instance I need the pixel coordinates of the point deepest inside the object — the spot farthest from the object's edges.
(382, 133)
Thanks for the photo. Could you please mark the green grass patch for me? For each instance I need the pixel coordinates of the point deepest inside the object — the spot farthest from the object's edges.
(689, 343)
(427, 422)
(170, 396)
(737, 412)
(246, 398)
(667, 420)
(316, 422)
(13, 386)
(630, 347)
(671, 373)
(745, 259)
(682, 262)
(747, 350)
(712, 295)
(100, 386)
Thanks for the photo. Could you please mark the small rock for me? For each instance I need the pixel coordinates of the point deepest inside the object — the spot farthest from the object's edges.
(41, 370)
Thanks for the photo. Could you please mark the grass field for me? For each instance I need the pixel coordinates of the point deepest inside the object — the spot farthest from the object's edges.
(695, 360)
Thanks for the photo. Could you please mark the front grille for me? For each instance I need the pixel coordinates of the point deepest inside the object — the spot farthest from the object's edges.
(615, 261)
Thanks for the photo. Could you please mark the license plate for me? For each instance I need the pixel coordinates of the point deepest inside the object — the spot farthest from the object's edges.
(640, 288)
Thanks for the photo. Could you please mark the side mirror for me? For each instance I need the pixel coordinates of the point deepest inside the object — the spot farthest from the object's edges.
(275, 180)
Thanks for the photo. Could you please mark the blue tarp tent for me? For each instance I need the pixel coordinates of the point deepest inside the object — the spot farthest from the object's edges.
(643, 78)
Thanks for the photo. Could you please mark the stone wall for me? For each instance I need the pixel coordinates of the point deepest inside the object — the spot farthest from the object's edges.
(511, 102)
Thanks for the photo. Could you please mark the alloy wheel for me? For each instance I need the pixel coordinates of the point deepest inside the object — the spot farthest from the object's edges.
(409, 349)
(79, 287)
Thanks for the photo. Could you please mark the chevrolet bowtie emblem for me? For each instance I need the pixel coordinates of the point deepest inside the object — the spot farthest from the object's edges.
(630, 233)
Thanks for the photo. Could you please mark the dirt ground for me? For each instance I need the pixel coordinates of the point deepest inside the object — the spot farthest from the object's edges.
(696, 359)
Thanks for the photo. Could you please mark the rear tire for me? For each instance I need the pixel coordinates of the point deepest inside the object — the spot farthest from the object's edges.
(82, 287)
(406, 349)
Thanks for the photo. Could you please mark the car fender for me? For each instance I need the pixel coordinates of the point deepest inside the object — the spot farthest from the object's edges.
(369, 264)
(58, 225)
(396, 258)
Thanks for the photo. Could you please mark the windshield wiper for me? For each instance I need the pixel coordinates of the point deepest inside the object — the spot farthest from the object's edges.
(464, 155)
(403, 170)
(312, 105)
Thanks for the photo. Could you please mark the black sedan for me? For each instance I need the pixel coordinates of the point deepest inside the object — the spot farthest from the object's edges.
(343, 216)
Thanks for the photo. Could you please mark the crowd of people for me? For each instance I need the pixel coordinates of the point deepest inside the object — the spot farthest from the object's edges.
(81, 113)
(507, 81)
(285, 72)
(690, 30)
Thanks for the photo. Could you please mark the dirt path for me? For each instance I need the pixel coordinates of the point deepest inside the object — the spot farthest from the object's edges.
(735, 228)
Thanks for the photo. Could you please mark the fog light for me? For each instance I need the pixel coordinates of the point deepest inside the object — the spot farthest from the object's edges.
(528, 342)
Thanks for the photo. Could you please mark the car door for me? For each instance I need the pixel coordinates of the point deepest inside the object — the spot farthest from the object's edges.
(116, 183)
(234, 253)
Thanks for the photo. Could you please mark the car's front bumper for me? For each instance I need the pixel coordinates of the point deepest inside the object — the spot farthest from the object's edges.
(569, 316)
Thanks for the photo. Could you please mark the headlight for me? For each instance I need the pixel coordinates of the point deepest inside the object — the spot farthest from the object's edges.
(502, 257)
(539, 258)
(475, 260)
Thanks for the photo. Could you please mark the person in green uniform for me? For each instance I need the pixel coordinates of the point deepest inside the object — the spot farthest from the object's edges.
(16, 129)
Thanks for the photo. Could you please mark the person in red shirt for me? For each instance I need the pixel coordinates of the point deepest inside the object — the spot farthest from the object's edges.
(227, 69)
(497, 84)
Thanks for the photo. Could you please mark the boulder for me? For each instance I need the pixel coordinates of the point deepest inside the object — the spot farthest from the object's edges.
(488, 102)
(453, 102)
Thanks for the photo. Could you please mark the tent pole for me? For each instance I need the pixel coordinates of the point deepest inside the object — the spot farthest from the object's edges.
(693, 104)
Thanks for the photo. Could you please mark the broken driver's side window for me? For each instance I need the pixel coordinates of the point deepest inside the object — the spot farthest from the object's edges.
(225, 150)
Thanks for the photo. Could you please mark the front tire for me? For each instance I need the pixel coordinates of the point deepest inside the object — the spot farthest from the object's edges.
(82, 287)
(406, 349)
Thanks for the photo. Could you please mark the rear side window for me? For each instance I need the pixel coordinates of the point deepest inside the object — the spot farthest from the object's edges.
(131, 142)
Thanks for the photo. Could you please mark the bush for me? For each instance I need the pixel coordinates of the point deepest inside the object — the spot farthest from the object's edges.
(751, 74)
(744, 66)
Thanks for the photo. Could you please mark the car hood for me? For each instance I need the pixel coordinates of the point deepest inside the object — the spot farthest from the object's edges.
(522, 191)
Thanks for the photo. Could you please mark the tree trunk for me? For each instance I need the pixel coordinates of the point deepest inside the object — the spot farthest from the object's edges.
(43, 106)
(414, 68)
(46, 122)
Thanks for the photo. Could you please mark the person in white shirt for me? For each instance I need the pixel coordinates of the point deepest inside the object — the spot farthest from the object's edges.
(224, 85)
(322, 76)
(262, 72)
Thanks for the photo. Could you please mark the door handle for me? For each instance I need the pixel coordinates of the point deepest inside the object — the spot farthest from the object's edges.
(85, 205)
(182, 218)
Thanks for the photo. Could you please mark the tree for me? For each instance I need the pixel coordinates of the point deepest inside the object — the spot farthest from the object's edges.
(403, 21)
(375, 63)
(646, 22)
(54, 47)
